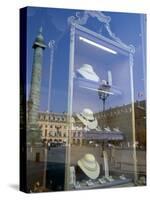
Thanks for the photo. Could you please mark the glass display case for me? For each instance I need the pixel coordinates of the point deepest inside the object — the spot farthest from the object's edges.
(101, 137)
(84, 100)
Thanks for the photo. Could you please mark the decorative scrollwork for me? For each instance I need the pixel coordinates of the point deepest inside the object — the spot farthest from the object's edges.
(132, 48)
(81, 18)
(51, 44)
(100, 16)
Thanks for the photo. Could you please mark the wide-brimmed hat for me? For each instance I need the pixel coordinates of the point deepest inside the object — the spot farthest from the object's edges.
(87, 72)
(87, 118)
(89, 166)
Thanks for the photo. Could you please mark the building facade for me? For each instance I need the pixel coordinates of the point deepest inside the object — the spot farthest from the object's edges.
(54, 125)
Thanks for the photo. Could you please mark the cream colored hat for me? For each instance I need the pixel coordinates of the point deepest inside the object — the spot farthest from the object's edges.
(88, 73)
(88, 119)
(89, 166)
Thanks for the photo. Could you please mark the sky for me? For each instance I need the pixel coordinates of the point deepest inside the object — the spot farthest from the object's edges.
(55, 27)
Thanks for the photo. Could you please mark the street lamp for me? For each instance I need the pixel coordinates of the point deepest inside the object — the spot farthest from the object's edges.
(51, 45)
(104, 92)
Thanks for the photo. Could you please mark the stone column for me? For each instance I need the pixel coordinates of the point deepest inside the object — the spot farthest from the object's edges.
(34, 98)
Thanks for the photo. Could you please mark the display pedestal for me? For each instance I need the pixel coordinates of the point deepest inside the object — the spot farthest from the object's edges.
(103, 135)
(106, 167)
(97, 185)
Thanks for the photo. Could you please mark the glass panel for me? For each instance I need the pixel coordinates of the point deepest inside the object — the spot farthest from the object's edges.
(81, 132)
(102, 150)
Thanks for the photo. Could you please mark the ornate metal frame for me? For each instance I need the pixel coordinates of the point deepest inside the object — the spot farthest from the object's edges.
(81, 19)
(78, 22)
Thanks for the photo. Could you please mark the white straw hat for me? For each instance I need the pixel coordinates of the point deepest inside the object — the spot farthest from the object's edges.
(88, 73)
(88, 119)
(89, 166)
